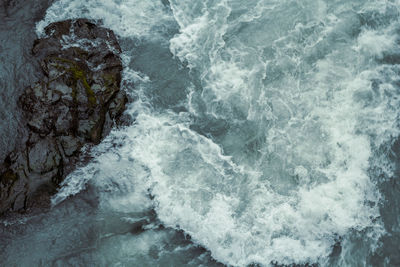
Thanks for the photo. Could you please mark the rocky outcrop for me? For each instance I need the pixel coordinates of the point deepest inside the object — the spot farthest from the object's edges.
(76, 103)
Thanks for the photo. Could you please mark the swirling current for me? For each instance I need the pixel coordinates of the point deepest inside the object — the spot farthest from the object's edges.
(264, 133)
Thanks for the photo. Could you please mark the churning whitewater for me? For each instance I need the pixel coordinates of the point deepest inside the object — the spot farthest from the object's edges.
(262, 130)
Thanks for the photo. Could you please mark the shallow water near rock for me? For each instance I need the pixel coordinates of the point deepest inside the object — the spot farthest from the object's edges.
(264, 133)
(17, 66)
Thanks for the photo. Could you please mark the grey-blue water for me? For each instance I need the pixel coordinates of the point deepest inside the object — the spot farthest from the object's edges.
(265, 133)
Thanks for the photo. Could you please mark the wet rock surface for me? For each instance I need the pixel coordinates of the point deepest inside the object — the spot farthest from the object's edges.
(76, 103)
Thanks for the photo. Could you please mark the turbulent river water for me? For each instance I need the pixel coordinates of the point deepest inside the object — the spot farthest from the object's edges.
(265, 132)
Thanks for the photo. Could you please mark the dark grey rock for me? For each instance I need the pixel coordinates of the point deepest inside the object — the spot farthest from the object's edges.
(70, 145)
(77, 103)
(44, 156)
(63, 122)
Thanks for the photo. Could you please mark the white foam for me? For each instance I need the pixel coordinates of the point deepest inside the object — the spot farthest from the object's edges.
(305, 85)
(323, 129)
(376, 43)
(133, 18)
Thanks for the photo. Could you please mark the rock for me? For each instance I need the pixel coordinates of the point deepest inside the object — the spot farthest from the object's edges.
(70, 145)
(44, 156)
(62, 124)
(77, 103)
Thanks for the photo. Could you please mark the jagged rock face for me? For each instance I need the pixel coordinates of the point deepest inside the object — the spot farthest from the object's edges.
(76, 103)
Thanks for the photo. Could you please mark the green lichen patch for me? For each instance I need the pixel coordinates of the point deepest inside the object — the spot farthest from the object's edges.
(78, 75)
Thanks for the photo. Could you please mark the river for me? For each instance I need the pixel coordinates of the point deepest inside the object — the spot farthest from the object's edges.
(264, 132)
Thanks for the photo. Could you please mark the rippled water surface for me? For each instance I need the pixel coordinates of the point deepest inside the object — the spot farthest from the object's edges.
(265, 132)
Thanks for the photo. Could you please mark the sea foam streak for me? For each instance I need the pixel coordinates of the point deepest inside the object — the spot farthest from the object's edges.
(304, 103)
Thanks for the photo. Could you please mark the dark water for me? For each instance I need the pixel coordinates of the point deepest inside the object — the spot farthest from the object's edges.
(17, 70)
(266, 132)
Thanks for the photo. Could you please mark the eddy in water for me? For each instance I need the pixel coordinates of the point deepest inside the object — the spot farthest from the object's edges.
(264, 133)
